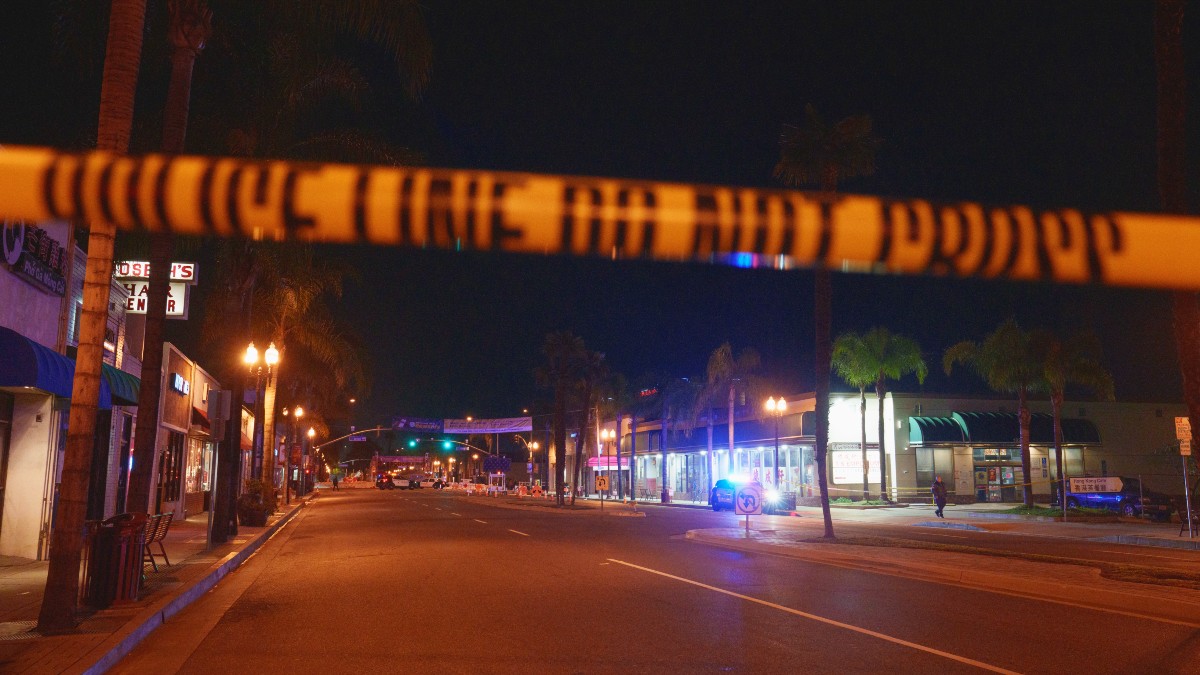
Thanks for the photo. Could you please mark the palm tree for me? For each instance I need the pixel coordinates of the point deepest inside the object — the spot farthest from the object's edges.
(850, 362)
(1073, 361)
(618, 401)
(591, 372)
(1008, 360)
(733, 377)
(883, 356)
(677, 396)
(562, 351)
(1172, 182)
(189, 30)
(121, 61)
(818, 153)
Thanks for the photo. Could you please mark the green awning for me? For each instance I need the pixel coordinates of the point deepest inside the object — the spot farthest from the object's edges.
(124, 387)
(927, 430)
(1005, 429)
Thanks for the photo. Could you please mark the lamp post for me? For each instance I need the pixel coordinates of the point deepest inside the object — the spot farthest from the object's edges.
(270, 358)
(297, 413)
(530, 446)
(607, 435)
(302, 488)
(776, 408)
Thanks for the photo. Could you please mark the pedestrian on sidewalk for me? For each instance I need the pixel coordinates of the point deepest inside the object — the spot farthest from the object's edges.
(939, 495)
(334, 478)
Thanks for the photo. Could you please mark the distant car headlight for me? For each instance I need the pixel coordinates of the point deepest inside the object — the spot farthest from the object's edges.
(772, 496)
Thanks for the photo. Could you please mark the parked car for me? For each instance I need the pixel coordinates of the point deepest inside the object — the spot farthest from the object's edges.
(721, 497)
(1127, 497)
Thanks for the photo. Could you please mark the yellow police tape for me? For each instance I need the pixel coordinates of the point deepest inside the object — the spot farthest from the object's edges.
(534, 213)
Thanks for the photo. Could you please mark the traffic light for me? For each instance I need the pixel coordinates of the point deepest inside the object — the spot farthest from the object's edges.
(446, 445)
(412, 442)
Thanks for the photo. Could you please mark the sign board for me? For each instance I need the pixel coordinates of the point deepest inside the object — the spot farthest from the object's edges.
(1105, 484)
(358, 438)
(416, 424)
(847, 466)
(747, 500)
(36, 256)
(139, 292)
(502, 425)
(601, 483)
(1183, 431)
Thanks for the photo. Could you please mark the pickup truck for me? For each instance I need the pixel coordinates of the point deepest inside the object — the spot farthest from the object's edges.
(1121, 494)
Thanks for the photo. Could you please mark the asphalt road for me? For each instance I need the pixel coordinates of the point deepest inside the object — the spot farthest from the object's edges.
(427, 581)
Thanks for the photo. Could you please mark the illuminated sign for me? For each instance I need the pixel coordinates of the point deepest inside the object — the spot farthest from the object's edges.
(1105, 484)
(501, 425)
(137, 269)
(35, 256)
(139, 293)
(848, 468)
(181, 385)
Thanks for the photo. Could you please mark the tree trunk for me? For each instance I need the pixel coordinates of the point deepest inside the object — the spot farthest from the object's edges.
(268, 423)
(664, 493)
(620, 474)
(1056, 401)
(581, 438)
(880, 392)
(862, 423)
(1023, 415)
(711, 457)
(560, 444)
(732, 452)
(633, 458)
(145, 446)
(1172, 183)
(823, 320)
(121, 61)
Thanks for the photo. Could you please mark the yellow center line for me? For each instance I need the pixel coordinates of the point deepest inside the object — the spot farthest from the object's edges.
(831, 622)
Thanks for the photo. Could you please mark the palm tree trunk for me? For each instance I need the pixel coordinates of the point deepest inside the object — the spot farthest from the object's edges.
(664, 493)
(880, 392)
(121, 61)
(633, 458)
(1024, 416)
(823, 320)
(862, 422)
(560, 444)
(732, 454)
(711, 457)
(145, 444)
(1056, 401)
(1172, 183)
(620, 474)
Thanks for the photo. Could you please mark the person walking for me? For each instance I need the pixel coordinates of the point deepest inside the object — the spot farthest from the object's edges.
(939, 495)
(334, 478)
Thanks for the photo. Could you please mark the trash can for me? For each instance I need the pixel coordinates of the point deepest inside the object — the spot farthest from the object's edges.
(115, 550)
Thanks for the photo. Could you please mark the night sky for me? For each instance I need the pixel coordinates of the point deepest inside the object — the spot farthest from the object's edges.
(1046, 104)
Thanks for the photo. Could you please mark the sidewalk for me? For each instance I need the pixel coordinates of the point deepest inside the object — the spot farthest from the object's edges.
(104, 636)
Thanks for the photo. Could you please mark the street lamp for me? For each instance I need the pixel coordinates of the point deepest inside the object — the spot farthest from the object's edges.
(530, 446)
(297, 413)
(302, 488)
(776, 408)
(270, 359)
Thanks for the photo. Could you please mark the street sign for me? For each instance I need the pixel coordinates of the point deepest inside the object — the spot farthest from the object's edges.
(601, 483)
(1105, 484)
(1183, 429)
(358, 438)
(747, 500)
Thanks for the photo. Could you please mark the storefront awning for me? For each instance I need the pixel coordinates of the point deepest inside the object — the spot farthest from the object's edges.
(1005, 429)
(607, 462)
(29, 364)
(200, 419)
(927, 430)
(124, 387)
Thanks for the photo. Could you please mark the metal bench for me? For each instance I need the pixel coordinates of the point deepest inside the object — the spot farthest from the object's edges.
(156, 530)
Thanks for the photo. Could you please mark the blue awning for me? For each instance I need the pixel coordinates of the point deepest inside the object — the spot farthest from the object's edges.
(25, 363)
(124, 387)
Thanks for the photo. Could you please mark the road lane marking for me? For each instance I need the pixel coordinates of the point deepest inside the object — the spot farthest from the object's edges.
(456, 514)
(479, 521)
(518, 532)
(939, 534)
(821, 619)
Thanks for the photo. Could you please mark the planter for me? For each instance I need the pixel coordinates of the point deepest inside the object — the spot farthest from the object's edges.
(251, 517)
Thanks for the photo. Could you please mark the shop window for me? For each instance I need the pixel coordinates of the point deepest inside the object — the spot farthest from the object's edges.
(171, 467)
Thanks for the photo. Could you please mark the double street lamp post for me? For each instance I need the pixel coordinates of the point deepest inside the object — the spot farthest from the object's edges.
(270, 359)
(297, 413)
(531, 446)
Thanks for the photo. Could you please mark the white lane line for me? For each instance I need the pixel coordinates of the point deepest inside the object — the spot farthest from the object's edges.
(456, 514)
(479, 521)
(518, 532)
(831, 622)
(952, 536)
(1149, 555)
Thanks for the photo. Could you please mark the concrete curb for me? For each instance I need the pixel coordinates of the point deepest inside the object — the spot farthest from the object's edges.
(117, 646)
(1135, 540)
(1178, 610)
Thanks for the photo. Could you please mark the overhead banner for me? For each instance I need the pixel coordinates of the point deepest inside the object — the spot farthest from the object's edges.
(416, 424)
(614, 218)
(501, 425)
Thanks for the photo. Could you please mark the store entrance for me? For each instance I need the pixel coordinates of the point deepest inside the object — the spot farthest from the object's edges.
(998, 475)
